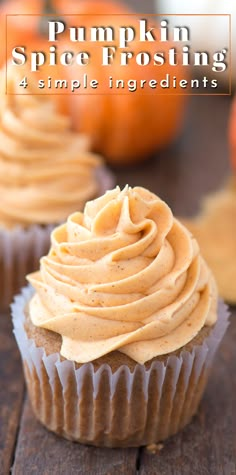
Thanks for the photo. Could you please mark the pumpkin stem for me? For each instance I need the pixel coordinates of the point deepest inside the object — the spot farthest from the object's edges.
(47, 9)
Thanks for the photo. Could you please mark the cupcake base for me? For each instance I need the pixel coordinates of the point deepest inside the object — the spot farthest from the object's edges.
(113, 402)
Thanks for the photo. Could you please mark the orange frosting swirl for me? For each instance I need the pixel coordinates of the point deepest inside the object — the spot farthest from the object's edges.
(124, 275)
(46, 170)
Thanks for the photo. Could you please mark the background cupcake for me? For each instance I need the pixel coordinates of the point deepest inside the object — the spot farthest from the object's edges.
(118, 339)
(46, 172)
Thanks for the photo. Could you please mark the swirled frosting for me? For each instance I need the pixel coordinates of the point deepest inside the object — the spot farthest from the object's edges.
(124, 275)
(46, 171)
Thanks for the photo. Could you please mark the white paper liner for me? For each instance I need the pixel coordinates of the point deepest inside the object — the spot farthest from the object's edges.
(117, 409)
(21, 248)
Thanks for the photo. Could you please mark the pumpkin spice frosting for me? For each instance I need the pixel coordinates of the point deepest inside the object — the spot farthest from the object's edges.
(46, 171)
(123, 275)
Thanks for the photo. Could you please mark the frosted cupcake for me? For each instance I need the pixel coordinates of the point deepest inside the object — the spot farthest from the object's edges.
(46, 172)
(119, 334)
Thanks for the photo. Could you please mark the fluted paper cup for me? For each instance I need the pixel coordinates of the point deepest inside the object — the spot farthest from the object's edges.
(21, 248)
(123, 408)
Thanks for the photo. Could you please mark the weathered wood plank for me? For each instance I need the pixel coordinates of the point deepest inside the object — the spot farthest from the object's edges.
(40, 452)
(11, 393)
(208, 445)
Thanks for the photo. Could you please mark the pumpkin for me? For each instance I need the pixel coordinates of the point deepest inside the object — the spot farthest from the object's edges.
(19, 31)
(232, 134)
(123, 127)
(28, 33)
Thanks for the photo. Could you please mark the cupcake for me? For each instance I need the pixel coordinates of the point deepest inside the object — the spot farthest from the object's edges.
(46, 172)
(119, 327)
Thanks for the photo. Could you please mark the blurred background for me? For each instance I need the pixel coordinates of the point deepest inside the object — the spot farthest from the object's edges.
(180, 147)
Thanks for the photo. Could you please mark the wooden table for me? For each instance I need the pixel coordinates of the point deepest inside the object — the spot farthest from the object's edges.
(195, 165)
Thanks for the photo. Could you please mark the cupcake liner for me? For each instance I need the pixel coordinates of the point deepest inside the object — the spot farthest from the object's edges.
(117, 409)
(21, 248)
(20, 251)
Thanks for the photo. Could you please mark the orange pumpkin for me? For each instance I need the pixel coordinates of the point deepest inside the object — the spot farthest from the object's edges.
(19, 31)
(124, 128)
(26, 32)
(232, 134)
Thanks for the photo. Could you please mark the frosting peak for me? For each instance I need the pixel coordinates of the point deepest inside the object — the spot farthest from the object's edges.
(124, 275)
(46, 170)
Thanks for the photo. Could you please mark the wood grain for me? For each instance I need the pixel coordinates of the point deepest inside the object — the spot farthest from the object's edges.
(11, 393)
(208, 444)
